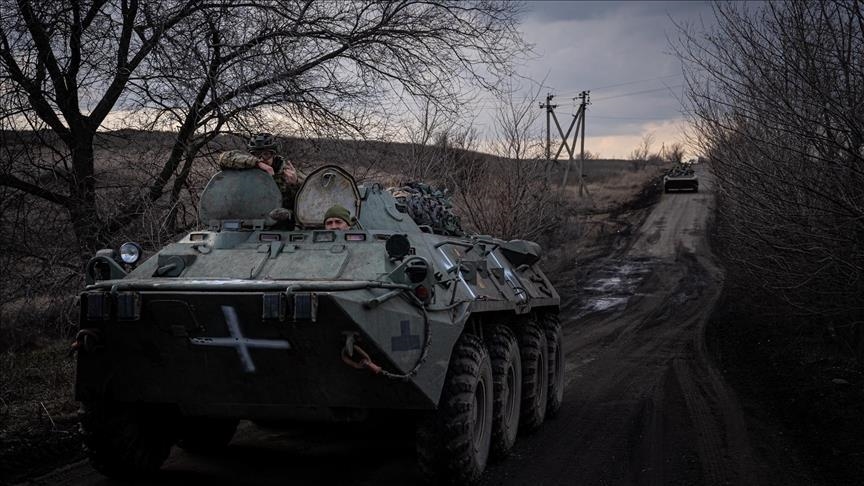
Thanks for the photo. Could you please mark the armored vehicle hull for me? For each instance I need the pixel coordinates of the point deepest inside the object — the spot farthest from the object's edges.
(681, 177)
(247, 320)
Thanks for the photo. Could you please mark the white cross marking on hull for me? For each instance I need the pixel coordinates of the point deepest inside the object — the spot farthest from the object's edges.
(237, 341)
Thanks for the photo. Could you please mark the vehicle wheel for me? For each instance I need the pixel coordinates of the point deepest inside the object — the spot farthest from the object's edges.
(507, 378)
(453, 443)
(202, 435)
(535, 376)
(124, 441)
(555, 345)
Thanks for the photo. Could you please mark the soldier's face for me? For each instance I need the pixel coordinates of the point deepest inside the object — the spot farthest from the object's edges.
(336, 224)
(264, 155)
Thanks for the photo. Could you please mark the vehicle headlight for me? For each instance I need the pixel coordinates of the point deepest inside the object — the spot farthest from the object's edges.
(130, 252)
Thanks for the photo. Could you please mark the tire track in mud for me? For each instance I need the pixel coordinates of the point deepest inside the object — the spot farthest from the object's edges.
(620, 404)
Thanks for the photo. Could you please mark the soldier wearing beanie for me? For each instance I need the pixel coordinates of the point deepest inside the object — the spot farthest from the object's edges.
(337, 218)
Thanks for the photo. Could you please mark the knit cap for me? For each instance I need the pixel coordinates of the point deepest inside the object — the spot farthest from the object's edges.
(337, 211)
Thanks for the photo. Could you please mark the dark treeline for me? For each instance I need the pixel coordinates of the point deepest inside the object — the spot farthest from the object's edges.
(776, 93)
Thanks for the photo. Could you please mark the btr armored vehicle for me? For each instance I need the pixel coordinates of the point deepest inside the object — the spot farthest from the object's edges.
(681, 177)
(247, 319)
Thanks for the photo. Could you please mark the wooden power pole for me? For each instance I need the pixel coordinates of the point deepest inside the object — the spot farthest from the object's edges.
(579, 122)
(549, 112)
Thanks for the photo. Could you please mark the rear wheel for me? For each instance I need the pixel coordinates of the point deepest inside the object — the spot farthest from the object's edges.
(507, 376)
(201, 435)
(555, 346)
(124, 440)
(535, 376)
(453, 443)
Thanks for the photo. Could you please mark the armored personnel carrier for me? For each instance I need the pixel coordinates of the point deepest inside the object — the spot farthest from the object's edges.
(247, 320)
(681, 177)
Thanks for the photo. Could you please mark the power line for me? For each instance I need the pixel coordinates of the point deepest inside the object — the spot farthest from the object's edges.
(574, 94)
(626, 83)
(659, 117)
(665, 88)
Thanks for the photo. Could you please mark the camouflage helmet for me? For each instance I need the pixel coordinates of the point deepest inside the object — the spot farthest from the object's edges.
(262, 141)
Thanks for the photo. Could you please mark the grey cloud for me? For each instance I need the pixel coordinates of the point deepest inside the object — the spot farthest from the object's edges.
(598, 45)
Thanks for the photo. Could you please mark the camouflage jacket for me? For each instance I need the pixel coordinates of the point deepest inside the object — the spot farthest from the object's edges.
(236, 159)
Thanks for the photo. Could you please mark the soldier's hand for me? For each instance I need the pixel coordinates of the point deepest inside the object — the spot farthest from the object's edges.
(266, 168)
(281, 214)
(289, 172)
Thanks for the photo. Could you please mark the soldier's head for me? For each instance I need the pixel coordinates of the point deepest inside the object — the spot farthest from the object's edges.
(263, 145)
(337, 218)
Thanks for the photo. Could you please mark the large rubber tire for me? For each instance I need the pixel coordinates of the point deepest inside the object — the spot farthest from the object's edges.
(126, 441)
(535, 376)
(555, 345)
(507, 378)
(204, 435)
(453, 443)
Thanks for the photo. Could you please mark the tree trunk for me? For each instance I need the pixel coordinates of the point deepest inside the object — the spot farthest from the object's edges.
(86, 224)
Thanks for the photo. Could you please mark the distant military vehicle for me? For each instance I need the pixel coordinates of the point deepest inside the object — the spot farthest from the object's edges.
(245, 321)
(682, 176)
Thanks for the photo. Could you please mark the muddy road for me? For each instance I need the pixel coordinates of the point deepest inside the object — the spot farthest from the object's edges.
(644, 403)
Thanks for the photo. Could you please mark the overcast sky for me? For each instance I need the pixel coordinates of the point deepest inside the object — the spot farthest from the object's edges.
(619, 51)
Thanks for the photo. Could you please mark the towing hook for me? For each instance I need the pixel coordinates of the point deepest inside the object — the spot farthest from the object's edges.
(364, 361)
(86, 340)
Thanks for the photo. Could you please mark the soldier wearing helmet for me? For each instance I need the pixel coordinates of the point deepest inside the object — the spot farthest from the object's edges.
(262, 154)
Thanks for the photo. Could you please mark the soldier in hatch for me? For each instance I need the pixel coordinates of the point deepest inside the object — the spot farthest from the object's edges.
(337, 218)
(263, 155)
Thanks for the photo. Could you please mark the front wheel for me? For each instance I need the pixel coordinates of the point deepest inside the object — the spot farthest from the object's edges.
(453, 443)
(125, 440)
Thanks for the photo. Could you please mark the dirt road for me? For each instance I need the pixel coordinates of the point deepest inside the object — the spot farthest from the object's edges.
(644, 404)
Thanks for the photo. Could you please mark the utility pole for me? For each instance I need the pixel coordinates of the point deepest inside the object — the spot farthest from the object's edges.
(549, 112)
(579, 122)
(585, 96)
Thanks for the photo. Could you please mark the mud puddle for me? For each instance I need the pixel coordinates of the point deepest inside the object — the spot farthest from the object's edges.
(610, 286)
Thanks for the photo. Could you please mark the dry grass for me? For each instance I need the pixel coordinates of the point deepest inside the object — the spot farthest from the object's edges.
(32, 322)
(613, 189)
(38, 415)
(36, 391)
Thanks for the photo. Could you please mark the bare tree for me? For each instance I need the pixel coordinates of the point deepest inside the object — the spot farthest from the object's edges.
(508, 196)
(673, 153)
(198, 68)
(776, 93)
(643, 151)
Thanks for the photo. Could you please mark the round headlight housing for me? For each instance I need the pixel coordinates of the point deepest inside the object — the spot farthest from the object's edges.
(130, 252)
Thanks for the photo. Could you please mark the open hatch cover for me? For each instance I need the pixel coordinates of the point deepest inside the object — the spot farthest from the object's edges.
(322, 189)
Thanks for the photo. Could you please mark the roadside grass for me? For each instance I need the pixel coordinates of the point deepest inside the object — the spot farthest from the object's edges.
(36, 390)
(38, 414)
